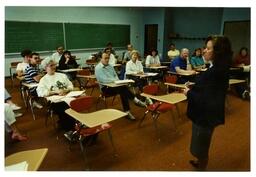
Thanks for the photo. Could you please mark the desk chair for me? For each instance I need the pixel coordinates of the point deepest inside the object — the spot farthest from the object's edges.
(90, 83)
(82, 133)
(157, 107)
(170, 79)
(103, 96)
(34, 158)
(13, 65)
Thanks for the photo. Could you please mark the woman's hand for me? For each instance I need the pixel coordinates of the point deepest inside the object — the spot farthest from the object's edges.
(185, 91)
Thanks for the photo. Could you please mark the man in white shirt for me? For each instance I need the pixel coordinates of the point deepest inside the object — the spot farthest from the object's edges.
(20, 70)
(56, 56)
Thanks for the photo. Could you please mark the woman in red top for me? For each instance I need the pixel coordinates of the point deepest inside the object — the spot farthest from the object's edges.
(242, 58)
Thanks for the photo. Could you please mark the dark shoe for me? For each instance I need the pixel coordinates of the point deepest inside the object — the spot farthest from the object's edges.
(130, 116)
(70, 135)
(194, 163)
(246, 95)
(199, 164)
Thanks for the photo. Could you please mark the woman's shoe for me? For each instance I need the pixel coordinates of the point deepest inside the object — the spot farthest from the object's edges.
(19, 137)
(194, 163)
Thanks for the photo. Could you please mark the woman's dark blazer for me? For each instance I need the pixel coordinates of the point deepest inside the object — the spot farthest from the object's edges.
(206, 99)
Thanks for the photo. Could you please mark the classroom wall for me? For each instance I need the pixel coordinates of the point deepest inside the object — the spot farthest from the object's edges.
(104, 15)
(235, 14)
(191, 23)
(154, 16)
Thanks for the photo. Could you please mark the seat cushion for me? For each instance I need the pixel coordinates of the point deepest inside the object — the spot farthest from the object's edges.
(85, 131)
(162, 108)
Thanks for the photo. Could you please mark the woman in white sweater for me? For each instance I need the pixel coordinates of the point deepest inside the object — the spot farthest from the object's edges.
(54, 83)
(134, 67)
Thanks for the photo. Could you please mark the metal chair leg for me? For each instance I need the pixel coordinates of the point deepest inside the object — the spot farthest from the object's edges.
(83, 150)
(155, 116)
(112, 143)
(31, 108)
(143, 118)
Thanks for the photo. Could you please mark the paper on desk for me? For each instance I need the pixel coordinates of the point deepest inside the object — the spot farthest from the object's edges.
(22, 166)
(151, 74)
(124, 81)
(75, 93)
(67, 98)
(247, 68)
(54, 98)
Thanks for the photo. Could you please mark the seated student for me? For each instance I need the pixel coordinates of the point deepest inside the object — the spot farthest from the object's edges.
(153, 59)
(8, 99)
(57, 55)
(32, 75)
(112, 58)
(127, 54)
(173, 52)
(242, 59)
(105, 73)
(134, 66)
(20, 70)
(110, 46)
(126, 57)
(197, 60)
(10, 124)
(68, 62)
(181, 66)
(54, 83)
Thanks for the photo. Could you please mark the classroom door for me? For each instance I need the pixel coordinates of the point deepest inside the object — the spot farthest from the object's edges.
(150, 37)
(239, 34)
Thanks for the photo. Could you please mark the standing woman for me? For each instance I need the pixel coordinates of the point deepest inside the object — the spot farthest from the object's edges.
(206, 99)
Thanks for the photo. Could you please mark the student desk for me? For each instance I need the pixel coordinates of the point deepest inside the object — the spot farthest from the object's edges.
(236, 81)
(113, 84)
(157, 67)
(87, 76)
(183, 86)
(96, 118)
(172, 98)
(34, 158)
(182, 74)
(70, 70)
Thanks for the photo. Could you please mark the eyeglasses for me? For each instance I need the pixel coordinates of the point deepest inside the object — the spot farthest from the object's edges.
(52, 65)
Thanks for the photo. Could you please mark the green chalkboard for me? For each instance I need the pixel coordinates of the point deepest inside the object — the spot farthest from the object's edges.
(44, 36)
(81, 36)
(37, 36)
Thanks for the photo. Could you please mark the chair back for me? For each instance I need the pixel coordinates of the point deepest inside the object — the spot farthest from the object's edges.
(82, 103)
(14, 64)
(85, 72)
(171, 79)
(151, 89)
